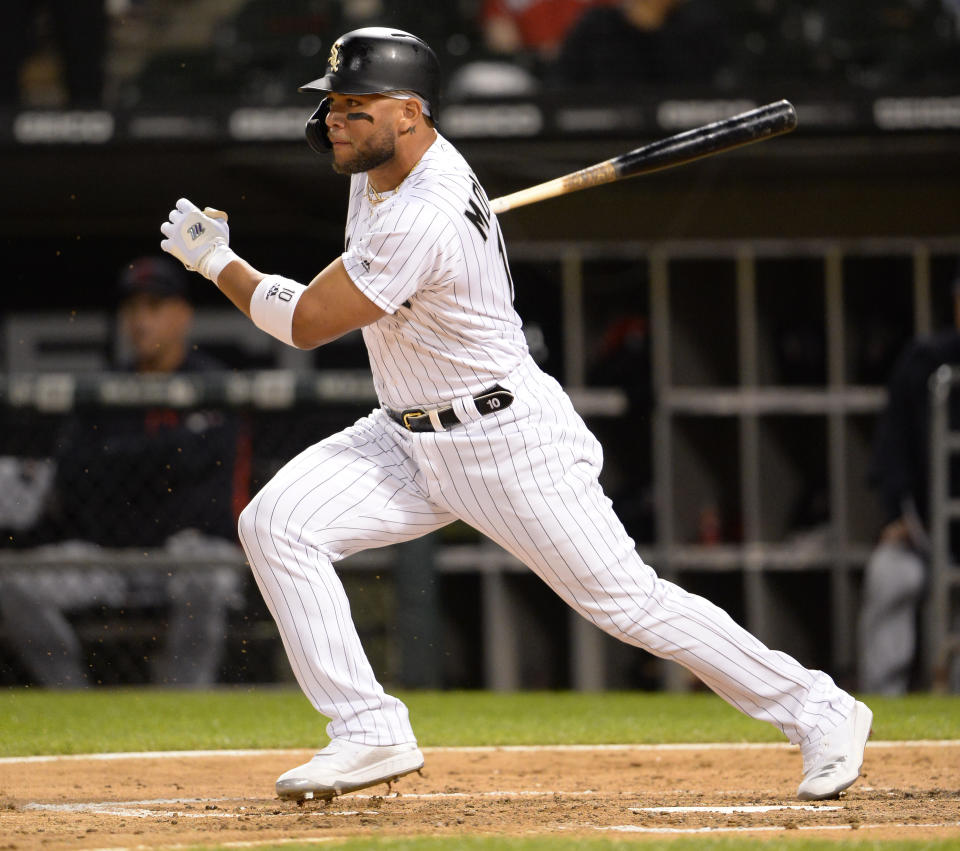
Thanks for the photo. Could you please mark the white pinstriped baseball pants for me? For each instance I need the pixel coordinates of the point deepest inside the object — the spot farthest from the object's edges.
(527, 478)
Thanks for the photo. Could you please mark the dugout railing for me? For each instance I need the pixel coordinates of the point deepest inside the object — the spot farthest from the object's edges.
(768, 365)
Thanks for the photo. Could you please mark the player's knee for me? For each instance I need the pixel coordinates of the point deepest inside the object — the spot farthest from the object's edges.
(261, 520)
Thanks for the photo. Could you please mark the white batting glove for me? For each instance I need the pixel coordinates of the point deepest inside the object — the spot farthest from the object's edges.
(200, 239)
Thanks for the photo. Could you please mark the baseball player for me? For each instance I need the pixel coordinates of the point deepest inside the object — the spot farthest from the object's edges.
(468, 428)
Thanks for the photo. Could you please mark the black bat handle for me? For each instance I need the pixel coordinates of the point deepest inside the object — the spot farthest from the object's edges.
(764, 122)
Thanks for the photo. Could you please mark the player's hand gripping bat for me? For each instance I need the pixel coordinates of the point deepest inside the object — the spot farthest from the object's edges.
(764, 122)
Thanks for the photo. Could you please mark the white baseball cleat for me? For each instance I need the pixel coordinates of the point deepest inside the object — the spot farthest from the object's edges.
(834, 763)
(344, 766)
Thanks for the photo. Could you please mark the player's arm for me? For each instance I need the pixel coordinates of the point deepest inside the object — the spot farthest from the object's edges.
(302, 316)
(327, 308)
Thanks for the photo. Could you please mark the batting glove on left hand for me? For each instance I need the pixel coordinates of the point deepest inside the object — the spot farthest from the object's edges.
(198, 239)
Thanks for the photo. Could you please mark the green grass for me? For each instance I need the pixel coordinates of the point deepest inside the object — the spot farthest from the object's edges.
(35, 721)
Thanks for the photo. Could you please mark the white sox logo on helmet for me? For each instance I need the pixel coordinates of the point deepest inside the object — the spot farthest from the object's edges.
(334, 60)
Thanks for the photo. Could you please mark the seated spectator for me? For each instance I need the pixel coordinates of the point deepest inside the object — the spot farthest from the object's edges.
(159, 477)
(537, 27)
(170, 469)
(644, 42)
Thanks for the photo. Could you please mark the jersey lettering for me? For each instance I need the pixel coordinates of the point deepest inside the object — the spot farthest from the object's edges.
(479, 210)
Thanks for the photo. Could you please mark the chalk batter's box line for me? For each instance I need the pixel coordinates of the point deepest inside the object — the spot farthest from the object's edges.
(250, 752)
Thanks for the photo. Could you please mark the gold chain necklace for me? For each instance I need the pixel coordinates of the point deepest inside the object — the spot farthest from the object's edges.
(375, 197)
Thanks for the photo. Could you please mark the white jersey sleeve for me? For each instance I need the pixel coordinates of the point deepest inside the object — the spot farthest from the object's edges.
(403, 254)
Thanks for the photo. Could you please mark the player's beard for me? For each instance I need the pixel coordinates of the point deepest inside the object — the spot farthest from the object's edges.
(377, 150)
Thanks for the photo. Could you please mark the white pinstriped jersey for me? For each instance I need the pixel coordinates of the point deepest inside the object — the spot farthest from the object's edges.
(432, 256)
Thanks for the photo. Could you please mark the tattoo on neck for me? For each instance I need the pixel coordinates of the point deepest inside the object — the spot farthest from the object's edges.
(411, 130)
(357, 116)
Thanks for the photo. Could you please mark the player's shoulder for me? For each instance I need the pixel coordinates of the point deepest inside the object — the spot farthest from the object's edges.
(443, 151)
(441, 170)
(443, 182)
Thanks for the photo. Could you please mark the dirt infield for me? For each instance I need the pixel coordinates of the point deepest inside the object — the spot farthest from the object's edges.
(908, 791)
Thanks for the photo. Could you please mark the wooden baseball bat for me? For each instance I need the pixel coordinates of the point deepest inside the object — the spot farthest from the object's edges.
(764, 122)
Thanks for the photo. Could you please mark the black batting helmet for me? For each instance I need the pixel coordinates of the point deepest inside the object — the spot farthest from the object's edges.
(369, 61)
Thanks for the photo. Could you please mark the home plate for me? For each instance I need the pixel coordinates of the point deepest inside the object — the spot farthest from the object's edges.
(759, 808)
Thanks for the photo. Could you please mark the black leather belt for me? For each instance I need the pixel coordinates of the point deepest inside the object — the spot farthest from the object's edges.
(492, 399)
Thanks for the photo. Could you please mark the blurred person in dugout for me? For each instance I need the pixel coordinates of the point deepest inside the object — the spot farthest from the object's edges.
(51, 51)
(656, 42)
(537, 27)
(895, 578)
(169, 479)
